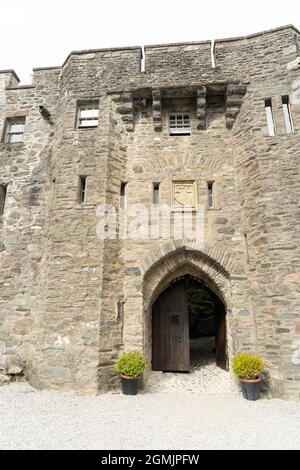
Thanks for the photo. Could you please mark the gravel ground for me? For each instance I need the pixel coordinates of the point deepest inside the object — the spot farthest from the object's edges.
(31, 419)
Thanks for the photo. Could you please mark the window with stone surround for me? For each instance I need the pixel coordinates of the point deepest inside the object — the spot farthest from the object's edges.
(14, 130)
(270, 117)
(287, 114)
(88, 115)
(184, 194)
(179, 124)
(3, 191)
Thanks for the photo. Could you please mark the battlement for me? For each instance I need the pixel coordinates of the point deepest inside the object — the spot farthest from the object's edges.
(220, 54)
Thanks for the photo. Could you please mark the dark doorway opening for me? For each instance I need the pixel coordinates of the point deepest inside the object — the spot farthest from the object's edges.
(188, 327)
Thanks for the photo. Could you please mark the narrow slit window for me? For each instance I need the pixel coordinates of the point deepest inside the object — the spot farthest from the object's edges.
(287, 115)
(270, 117)
(3, 191)
(123, 195)
(210, 194)
(82, 189)
(156, 193)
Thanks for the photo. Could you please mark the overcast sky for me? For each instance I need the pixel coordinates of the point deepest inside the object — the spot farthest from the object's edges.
(41, 33)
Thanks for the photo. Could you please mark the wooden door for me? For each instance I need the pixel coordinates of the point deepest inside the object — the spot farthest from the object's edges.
(221, 341)
(170, 330)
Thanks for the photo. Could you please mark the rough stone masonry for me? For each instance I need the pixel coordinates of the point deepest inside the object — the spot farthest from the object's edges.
(71, 301)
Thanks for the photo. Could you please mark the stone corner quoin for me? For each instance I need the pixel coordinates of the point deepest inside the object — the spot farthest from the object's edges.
(71, 301)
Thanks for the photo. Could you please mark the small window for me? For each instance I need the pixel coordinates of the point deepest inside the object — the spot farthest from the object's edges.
(88, 115)
(270, 117)
(287, 115)
(123, 195)
(3, 191)
(14, 131)
(82, 189)
(179, 124)
(156, 193)
(210, 194)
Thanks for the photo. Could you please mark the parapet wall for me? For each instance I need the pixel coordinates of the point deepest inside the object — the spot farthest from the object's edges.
(177, 60)
(242, 58)
(259, 55)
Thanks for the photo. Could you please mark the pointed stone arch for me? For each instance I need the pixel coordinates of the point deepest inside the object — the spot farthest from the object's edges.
(214, 255)
(172, 261)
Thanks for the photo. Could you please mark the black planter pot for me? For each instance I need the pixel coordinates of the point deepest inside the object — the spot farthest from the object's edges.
(251, 389)
(130, 385)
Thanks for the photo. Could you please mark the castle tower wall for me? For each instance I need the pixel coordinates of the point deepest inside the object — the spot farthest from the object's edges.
(72, 300)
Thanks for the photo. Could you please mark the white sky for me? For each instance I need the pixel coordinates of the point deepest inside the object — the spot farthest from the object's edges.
(41, 33)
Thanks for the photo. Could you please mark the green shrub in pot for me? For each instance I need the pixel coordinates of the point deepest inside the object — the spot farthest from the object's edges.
(248, 368)
(131, 366)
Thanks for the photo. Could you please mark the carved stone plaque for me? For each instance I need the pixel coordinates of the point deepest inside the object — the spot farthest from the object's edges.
(184, 194)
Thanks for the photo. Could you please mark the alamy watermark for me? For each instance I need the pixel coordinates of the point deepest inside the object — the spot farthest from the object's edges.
(138, 222)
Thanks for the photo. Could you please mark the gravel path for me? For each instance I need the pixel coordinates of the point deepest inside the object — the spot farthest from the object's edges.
(33, 419)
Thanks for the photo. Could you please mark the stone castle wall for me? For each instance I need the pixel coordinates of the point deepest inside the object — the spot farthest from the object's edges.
(70, 302)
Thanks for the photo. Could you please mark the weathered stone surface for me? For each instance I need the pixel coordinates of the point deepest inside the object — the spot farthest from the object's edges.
(71, 301)
(133, 272)
(201, 108)
(4, 379)
(156, 110)
(13, 365)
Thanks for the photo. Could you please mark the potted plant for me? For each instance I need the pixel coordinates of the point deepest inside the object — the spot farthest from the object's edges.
(131, 366)
(248, 367)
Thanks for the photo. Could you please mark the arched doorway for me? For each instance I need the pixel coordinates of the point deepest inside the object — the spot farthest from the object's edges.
(188, 321)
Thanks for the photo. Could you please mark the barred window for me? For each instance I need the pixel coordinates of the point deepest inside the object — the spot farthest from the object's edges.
(179, 124)
(14, 131)
(88, 115)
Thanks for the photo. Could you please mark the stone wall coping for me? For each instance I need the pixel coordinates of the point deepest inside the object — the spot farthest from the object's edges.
(21, 87)
(104, 49)
(261, 33)
(177, 44)
(11, 71)
(42, 69)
